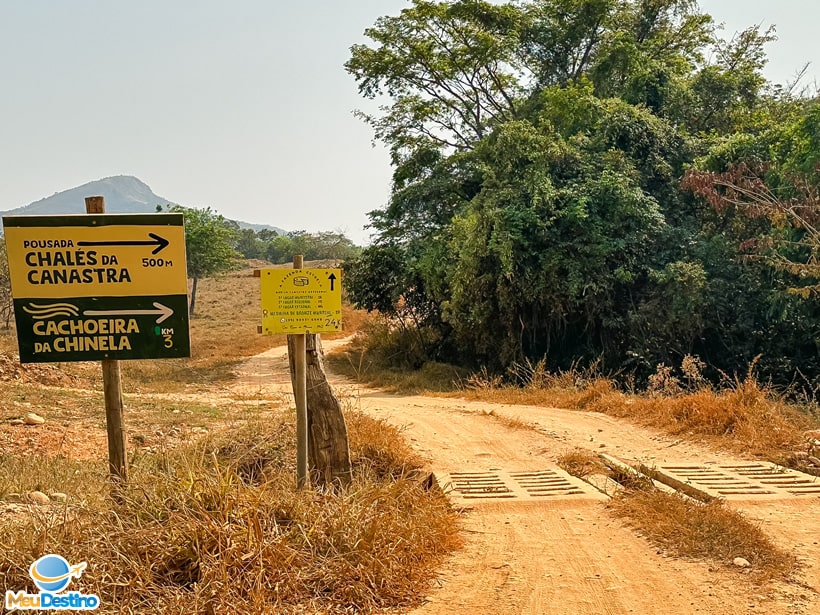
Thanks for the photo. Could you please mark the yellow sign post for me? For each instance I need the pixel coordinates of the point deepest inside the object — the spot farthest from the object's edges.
(301, 300)
(100, 286)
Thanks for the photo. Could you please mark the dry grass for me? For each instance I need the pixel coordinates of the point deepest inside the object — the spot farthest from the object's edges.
(387, 357)
(378, 447)
(210, 523)
(741, 416)
(218, 527)
(581, 462)
(714, 532)
(683, 527)
(432, 377)
(744, 416)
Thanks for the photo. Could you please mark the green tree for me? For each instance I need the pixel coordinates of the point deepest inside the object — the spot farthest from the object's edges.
(538, 152)
(209, 245)
(249, 245)
(279, 249)
(325, 245)
(450, 67)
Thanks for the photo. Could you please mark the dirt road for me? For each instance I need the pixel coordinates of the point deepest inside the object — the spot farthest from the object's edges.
(528, 552)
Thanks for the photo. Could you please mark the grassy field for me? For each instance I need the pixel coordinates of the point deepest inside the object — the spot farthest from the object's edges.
(216, 526)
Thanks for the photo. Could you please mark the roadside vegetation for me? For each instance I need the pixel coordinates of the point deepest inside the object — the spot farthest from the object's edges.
(682, 527)
(611, 182)
(216, 526)
(738, 414)
(210, 521)
(279, 248)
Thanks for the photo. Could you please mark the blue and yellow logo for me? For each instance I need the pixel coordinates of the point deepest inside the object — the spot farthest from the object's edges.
(52, 574)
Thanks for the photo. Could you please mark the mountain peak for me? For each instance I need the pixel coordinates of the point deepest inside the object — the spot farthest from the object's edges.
(123, 194)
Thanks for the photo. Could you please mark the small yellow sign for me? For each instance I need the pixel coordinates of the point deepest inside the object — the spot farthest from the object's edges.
(301, 300)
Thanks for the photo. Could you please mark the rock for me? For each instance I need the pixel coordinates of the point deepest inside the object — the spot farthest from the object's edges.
(815, 461)
(741, 562)
(33, 419)
(12, 497)
(16, 422)
(37, 497)
(58, 497)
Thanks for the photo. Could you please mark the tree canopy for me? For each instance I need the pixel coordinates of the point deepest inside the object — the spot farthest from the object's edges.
(541, 204)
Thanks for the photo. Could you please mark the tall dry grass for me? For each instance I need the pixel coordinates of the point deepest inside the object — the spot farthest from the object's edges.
(683, 527)
(385, 355)
(218, 527)
(742, 415)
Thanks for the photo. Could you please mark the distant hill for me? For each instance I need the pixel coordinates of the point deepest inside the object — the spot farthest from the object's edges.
(123, 194)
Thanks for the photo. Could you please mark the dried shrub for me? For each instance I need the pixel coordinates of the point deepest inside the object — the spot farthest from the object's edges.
(712, 531)
(663, 383)
(743, 416)
(580, 462)
(218, 527)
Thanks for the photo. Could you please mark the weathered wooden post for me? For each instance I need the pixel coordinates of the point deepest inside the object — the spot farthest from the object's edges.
(300, 393)
(328, 447)
(112, 389)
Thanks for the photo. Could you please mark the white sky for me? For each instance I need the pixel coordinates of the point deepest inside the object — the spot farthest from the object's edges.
(243, 106)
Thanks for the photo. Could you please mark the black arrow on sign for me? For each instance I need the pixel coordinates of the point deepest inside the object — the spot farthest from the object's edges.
(332, 278)
(160, 243)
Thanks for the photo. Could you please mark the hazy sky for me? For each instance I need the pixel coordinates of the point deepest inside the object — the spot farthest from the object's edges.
(243, 106)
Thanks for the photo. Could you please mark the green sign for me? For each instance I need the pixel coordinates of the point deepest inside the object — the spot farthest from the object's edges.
(93, 287)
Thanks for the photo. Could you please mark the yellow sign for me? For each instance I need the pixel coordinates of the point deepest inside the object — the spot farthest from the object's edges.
(301, 300)
(99, 286)
(96, 255)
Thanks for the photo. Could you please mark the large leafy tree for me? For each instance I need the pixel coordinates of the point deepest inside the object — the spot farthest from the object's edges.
(538, 151)
(450, 68)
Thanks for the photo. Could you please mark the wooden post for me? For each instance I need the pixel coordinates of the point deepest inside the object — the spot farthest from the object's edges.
(328, 448)
(300, 393)
(112, 388)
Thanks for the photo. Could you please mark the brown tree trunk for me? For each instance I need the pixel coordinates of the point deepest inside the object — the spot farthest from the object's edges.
(328, 448)
(193, 297)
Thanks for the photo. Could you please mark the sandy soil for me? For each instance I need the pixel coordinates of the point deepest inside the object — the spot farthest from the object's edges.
(567, 554)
